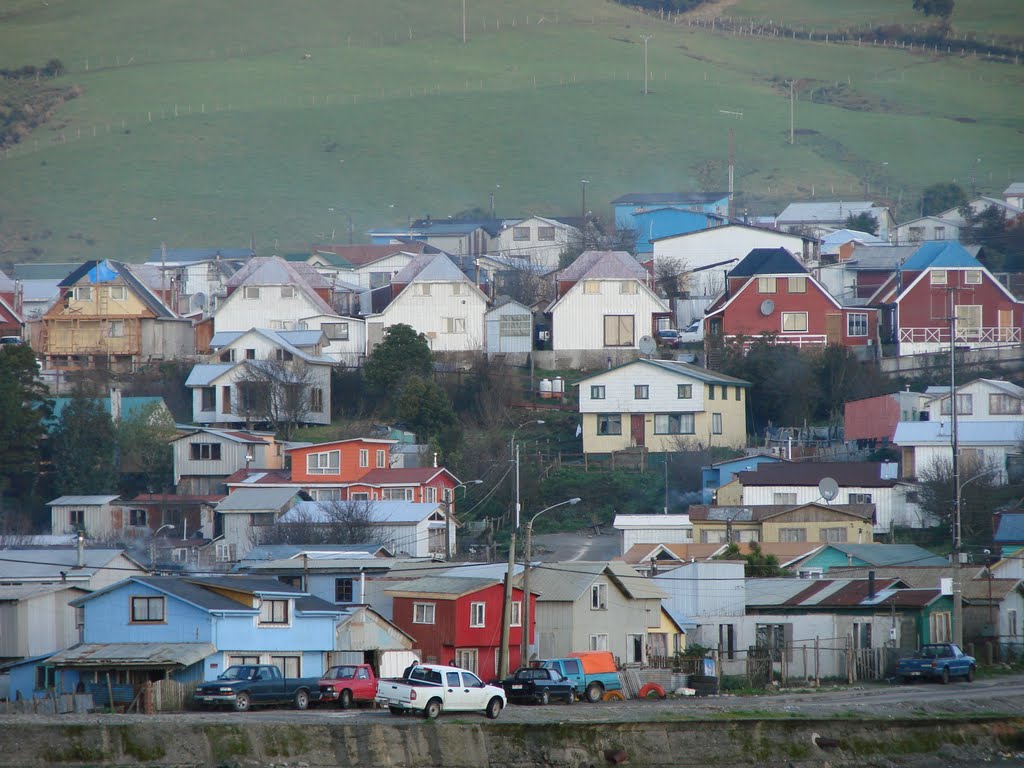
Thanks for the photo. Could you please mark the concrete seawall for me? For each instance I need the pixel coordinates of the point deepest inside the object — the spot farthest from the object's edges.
(462, 743)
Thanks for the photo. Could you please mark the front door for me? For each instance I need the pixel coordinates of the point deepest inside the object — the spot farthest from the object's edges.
(466, 658)
(635, 648)
(834, 329)
(1005, 325)
(636, 428)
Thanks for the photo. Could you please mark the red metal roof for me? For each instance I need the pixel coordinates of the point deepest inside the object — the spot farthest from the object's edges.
(402, 476)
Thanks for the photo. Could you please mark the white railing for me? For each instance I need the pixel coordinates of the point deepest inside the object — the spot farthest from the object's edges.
(999, 335)
(797, 339)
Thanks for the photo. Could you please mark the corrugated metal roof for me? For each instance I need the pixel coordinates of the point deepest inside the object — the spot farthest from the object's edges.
(132, 655)
(846, 474)
(1010, 528)
(204, 374)
(651, 521)
(25, 591)
(570, 581)
(669, 198)
(597, 265)
(765, 261)
(48, 562)
(680, 368)
(85, 501)
(257, 498)
(890, 554)
(941, 253)
(968, 432)
(825, 212)
(380, 512)
(451, 586)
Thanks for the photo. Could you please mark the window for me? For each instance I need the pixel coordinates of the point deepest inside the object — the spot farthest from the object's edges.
(335, 331)
(364, 457)
(250, 354)
(609, 424)
(641, 392)
(208, 398)
(546, 233)
(287, 291)
(773, 638)
(599, 642)
(283, 355)
(423, 289)
(599, 597)
(833, 535)
(454, 325)
(325, 494)
(939, 626)
(738, 395)
(396, 494)
(422, 613)
(290, 666)
(117, 292)
(137, 518)
(430, 495)
(939, 277)
(515, 325)
(520, 233)
(783, 498)
(794, 322)
(344, 590)
(964, 405)
(857, 324)
(940, 233)
(627, 286)
(316, 400)
(793, 534)
(716, 423)
(273, 612)
(251, 292)
(618, 330)
(674, 424)
(516, 617)
(797, 284)
(1012, 623)
(457, 289)
(147, 610)
(859, 498)
(1003, 405)
(915, 234)
(382, 458)
(205, 451)
(711, 392)
(83, 292)
(766, 285)
(222, 552)
(597, 392)
(325, 463)
(115, 329)
(591, 286)
(727, 640)
(972, 277)
(477, 614)
(227, 356)
(684, 391)
(359, 496)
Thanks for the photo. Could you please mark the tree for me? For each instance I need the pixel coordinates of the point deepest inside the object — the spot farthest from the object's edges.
(425, 408)
(23, 410)
(329, 522)
(978, 496)
(841, 378)
(985, 227)
(279, 393)
(862, 222)
(943, 9)
(595, 236)
(671, 275)
(146, 454)
(758, 564)
(784, 383)
(403, 353)
(83, 449)
(942, 197)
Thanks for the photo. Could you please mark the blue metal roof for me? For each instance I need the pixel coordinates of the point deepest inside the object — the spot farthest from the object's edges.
(940, 253)
(1011, 528)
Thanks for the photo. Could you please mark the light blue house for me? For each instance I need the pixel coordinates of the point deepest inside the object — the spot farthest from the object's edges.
(669, 221)
(864, 555)
(718, 474)
(148, 628)
(629, 206)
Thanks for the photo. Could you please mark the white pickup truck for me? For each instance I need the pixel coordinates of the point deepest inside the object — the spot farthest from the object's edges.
(430, 689)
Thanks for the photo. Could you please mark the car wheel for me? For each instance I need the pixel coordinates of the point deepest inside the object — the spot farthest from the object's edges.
(242, 702)
(302, 699)
(572, 696)
(594, 692)
(945, 675)
(396, 710)
(970, 674)
(345, 702)
(493, 708)
(545, 697)
(433, 709)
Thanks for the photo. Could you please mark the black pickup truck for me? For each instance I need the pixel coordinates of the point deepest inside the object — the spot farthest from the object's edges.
(538, 684)
(248, 685)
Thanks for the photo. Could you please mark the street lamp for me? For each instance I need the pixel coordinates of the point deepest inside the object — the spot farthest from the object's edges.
(348, 216)
(448, 499)
(152, 543)
(958, 582)
(583, 200)
(527, 554)
(514, 450)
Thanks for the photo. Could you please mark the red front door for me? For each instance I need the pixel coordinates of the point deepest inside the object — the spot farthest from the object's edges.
(637, 428)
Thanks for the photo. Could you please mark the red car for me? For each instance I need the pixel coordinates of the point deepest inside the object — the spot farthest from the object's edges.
(348, 684)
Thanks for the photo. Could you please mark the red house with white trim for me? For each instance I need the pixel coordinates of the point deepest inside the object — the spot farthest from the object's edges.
(770, 292)
(459, 619)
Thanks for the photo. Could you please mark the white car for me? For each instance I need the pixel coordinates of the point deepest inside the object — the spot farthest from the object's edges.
(431, 689)
(693, 332)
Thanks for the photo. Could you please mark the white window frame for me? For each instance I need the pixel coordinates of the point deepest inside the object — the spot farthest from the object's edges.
(251, 292)
(117, 292)
(268, 616)
(972, 277)
(599, 642)
(854, 329)
(382, 458)
(424, 613)
(323, 463)
(766, 285)
(478, 615)
(796, 284)
(454, 324)
(364, 458)
(599, 597)
(516, 616)
(789, 317)
(939, 277)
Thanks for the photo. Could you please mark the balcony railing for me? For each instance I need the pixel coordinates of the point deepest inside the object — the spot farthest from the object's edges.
(978, 336)
(797, 339)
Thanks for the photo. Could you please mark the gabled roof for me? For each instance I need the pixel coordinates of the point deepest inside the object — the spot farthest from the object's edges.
(858, 474)
(364, 553)
(941, 254)
(827, 212)
(431, 267)
(256, 498)
(644, 553)
(49, 562)
(442, 587)
(768, 261)
(841, 236)
(378, 512)
(669, 198)
(975, 587)
(300, 339)
(889, 554)
(332, 443)
(570, 581)
(204, 374)
(361, 254)
(107, 271)
(273, 270)
(85, 501)
(233, 435)
(1016, 188)
(282, 340)
(598, 265)
(758, 512)
(681, 369)
(192, 255)
(968, 432)
(738, 225)
(404, 476)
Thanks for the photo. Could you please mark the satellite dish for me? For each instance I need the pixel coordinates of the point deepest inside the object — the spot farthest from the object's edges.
(767, 307)
(199, 300)
(647, 345)
(828, 488)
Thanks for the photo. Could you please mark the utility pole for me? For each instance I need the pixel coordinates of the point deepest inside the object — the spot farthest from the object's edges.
(792, 99)
(583, 199)
(506, 617)
(463, 21)
(732, 173)
(958, 596)
(646, 38)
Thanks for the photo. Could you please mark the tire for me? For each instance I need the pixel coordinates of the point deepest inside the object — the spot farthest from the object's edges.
(545, 698)
(302, 699)
(945, 675)
(345, 700)
(571, 698)
(433, 709)
(970, 674)
(594, 692)
(242, 702)
(494, 708)
(651, 691)
(614, 696)
(396, 711)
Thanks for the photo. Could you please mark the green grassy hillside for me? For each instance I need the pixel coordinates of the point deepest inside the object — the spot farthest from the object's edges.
(202, 122)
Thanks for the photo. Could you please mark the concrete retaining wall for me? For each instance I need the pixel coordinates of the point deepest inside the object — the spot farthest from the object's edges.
(466, 742)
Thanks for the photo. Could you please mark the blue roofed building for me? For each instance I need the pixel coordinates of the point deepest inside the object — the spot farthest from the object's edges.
(714, 476)
(628, 207)
(857, 555)
(1009, 532)
(669, 221)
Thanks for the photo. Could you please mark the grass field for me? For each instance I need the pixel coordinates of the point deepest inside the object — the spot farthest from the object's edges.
(201, 123)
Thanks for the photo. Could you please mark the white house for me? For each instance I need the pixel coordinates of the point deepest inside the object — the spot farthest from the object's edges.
(707, 254)
(509, 328)
(416, 529)
(979, 205)
(652, 529)
(537, 239)
(205, 457)
(80, 566)
(220, 394)
(37, 619)
(604, 302)
(92, 514)
(344, 337)
(434, 297)
(820, 218)
(197, 277)
(926, 228)
(244, 512)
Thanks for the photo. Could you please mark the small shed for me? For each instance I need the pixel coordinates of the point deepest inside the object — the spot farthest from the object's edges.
(653, 529)
(92, 514)
(509, 327)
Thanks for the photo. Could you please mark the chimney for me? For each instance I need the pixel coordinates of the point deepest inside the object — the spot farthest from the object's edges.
(871, 585)
(849, 559)
(80, 562)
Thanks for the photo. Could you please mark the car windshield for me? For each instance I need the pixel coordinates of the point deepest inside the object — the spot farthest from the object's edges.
(237, 673)
(342, 673)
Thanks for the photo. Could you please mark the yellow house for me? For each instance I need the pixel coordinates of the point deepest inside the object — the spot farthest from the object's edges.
(662, 405)
(783, 523)
(668, 639)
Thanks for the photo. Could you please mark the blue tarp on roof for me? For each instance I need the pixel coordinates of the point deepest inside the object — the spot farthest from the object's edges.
(102, 272)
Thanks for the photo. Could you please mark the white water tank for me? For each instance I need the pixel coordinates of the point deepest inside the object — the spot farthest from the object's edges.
(545, 388)
(558, 387)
